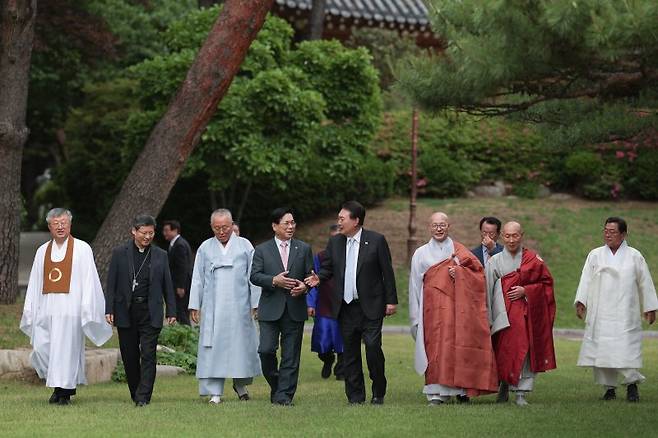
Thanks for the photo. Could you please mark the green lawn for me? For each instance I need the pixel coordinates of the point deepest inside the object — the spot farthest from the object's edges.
(565, 403)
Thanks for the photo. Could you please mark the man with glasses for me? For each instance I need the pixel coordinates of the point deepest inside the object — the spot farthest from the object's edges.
(138, 284)
(489, 246)
(615, 284)
(448, 317)
(224, 302)
(279, 267)
(522, 312)
(63, 304)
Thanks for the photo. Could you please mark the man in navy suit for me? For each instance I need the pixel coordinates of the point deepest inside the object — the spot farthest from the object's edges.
(359, 261)
(490, 231)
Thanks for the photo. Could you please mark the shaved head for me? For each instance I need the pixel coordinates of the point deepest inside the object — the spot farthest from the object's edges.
(439, 217)
(513, 237)
(439, 225)
(512, 226)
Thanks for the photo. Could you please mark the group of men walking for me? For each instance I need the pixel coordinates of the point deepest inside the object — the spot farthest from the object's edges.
(481, 319)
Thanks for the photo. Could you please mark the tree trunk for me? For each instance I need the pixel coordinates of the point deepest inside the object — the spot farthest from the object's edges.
(171, 142)
(316, 22)
(17, 18)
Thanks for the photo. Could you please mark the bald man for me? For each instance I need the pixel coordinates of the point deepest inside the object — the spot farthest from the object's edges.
(522, 312)
(448, 315)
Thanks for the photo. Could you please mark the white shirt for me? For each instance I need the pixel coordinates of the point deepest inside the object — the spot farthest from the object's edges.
(356, 244)
(172, 241)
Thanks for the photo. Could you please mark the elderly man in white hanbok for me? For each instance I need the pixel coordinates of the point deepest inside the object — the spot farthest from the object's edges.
(614, 284)
(64, 303)
(224, 300)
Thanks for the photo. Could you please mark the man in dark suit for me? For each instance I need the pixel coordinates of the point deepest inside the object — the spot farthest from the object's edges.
(138, 283)
(359, 261)
(489, 231)
(279, 267)
(180, 266)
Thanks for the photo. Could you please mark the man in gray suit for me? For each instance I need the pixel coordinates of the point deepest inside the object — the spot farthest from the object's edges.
(279, 267)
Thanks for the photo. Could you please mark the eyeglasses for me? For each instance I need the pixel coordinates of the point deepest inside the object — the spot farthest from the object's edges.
(62, 224)
(288, 224)
(610, 232)
(441, 226)
(223, 229)
(146, 233)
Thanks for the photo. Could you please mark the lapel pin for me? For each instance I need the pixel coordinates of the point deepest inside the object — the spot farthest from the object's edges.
(366, 242)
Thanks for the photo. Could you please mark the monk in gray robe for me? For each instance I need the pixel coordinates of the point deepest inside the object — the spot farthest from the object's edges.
(224, 301)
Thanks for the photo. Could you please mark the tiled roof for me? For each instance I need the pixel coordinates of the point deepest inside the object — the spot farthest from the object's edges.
(412, 12)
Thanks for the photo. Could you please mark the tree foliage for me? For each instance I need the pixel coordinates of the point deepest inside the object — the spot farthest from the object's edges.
(293, 117)
(584, 71)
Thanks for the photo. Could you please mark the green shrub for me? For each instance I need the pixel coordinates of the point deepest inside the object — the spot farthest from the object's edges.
(583, 166)
(119, 373)
(527, 189)
(644, 177)
(448, 175)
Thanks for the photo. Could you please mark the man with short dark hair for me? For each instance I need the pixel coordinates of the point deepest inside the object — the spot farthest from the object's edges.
(180, 265)
(359, 261)
(138, 284)
(279, 267)
(614, 286)
(489, 246)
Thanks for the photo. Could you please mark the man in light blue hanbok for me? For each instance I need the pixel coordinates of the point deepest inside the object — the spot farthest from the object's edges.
(224, 301)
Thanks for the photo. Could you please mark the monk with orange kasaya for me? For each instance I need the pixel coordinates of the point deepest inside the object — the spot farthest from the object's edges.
(449, 320)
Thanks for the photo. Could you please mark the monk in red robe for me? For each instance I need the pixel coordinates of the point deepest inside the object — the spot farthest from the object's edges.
(448, 313)
(520, 290)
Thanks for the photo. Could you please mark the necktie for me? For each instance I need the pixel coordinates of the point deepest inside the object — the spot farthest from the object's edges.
(349, 286)
(284, 254)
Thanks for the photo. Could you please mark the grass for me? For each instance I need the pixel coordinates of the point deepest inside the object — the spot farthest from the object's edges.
(564, 403)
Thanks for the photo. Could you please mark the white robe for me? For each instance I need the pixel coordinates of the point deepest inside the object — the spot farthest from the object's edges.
(221, 290)
(613, 288)
(57, 323)
(425, 257)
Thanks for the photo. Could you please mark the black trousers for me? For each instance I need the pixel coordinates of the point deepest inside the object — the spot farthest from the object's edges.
(182, 314)
(282, 379)
(354, 327)
(138, 348)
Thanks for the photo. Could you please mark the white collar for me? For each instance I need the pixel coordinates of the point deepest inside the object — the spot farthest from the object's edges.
(172, 241)
(279, 241)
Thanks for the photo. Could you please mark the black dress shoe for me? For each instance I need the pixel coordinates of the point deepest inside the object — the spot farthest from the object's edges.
(64, 400)
(326, 370)
(284, 403)
(610, 394)
(463, 399)
(356, 402)
(632, 395)
(243, 397)
(54, 398)
(141, 403)
(503, 393)
(377, 401)
(435, 402)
